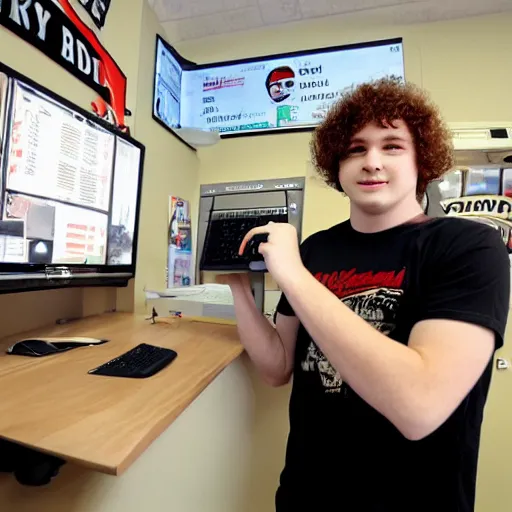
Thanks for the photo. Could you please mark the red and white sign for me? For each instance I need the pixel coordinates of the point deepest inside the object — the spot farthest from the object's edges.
(54, 27)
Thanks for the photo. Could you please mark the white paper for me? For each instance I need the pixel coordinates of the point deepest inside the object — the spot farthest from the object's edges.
(211, 293)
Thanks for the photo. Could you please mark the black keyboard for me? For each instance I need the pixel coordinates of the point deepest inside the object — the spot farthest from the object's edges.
(225, 236)
(141, 361)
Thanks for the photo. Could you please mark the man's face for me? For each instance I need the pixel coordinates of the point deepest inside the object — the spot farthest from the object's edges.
(380, 171)
(281, 89)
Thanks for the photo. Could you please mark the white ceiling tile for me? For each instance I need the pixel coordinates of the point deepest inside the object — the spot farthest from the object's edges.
(451, 10)
(193, 19)
(231, 5)
(242, 19)
(433, 10)
(346, 6)
(273, 11)
(171, 9)
(203, 8)
(194, 28)
(180, 9)
(220, 23)
(319, 8)
(315, 9)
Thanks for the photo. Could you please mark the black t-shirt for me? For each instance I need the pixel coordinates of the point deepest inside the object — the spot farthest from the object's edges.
(344, 455)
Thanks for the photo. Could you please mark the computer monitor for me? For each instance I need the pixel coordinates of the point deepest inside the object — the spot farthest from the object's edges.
(69, 188)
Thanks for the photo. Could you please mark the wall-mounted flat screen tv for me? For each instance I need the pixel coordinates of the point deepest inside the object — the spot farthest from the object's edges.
(276, 93)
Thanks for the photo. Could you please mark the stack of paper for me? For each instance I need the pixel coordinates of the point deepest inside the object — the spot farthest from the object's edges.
(205, 300)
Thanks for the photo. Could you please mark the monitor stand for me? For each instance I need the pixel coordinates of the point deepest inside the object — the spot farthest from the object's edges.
(258, 289)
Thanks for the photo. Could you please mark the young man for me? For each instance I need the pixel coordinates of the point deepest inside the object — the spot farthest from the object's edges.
(388, 321)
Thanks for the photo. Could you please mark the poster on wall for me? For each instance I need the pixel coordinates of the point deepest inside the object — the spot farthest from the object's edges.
(97, 10)
(479, 194)
(179, 266)
(54, 27)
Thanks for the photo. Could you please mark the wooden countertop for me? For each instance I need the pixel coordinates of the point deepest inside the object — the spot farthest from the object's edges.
(53, 405)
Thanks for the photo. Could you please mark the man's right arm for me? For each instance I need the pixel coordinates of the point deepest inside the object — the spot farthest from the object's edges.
(270, 349)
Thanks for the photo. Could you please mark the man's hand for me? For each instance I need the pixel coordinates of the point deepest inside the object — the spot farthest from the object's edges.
(281, 251)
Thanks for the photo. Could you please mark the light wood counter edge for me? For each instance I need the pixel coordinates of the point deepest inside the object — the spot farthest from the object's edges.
(165, 423)
(159, 427)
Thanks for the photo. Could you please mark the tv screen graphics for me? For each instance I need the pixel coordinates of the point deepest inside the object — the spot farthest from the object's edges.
(167, 86)
(123, 222)
(71, 182)
(278, 93)
(281, 93)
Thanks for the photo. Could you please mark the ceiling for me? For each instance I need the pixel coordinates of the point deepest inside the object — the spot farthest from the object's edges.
(193, 19)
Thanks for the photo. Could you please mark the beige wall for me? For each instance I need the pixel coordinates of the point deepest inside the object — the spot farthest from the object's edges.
(463, 64)
(171, 168)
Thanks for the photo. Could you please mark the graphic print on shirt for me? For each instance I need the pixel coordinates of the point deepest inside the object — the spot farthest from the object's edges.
(375, 297)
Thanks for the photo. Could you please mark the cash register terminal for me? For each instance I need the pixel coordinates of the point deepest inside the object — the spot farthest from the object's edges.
(228, 211)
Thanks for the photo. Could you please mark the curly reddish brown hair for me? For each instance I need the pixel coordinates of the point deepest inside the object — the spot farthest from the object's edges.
(382, 102)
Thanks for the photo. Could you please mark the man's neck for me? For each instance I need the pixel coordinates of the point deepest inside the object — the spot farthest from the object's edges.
(365, 222)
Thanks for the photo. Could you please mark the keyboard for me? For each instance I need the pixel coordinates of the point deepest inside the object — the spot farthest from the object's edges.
(140, 362)
(226, 232)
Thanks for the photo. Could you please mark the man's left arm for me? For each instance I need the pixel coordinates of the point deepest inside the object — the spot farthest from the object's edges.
(419, 385)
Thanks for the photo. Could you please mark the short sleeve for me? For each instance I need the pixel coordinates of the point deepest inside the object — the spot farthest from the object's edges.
(283, 306)
(469, 280)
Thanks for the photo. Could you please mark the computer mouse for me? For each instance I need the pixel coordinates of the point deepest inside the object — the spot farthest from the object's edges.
(33, 348)
(44, 347)
(256, 260)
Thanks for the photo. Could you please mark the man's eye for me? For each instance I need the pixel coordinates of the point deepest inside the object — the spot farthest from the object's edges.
(355, 149)
(392, 146)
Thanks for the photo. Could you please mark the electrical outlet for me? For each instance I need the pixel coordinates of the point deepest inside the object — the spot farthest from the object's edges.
(502, 364)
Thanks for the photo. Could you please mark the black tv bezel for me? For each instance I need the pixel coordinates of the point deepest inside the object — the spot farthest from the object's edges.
(32, 268)
(184, 65)
(189, 65)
